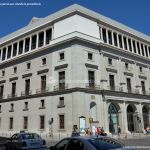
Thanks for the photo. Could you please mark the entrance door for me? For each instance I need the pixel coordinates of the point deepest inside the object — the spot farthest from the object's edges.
(130, 118)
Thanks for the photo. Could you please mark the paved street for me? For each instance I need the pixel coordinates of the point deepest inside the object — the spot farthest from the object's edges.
(140, 144)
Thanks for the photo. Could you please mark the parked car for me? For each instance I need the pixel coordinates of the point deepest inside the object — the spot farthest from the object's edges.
(89, 143)
(24, 141)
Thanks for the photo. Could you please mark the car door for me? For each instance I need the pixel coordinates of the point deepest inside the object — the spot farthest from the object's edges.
(13, 143)
(75, 144)
(61, 145)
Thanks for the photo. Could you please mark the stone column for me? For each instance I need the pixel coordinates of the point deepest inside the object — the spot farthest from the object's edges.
(105, 119)
(141, 117)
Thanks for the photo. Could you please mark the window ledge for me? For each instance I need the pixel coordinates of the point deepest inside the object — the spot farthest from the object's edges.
(11, 110)
(91, 60)
(60, 106)
(26, 109)
(42, 107)
(61, 130)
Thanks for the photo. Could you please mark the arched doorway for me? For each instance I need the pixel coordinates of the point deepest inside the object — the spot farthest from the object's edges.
(145, 112)
(130, 118)
(113, 118)
(93, 110)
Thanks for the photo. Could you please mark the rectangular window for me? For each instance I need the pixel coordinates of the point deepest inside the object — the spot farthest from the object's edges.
(109, 61)
(91, 75)
(104, 35)
(15, 49)
(130, 47)
(41, 39)
(15, 69)
(20, 47)
(120, 41)
(9, 51)
(42, 103)
(62, 79)
(61, 122)
(27, 44)
(134, 47)
(26, 105)
(33, 43)
(149, 50)
(25, 122)
(0, 53)
(112, 82)
(27, 87)
(3, 73)
(138, 47)
(142, 48)
(43, 61)
(0, 108)
(61, 101)
(42, 122)
(129, 85)
(141, 69)
(61, 56)
(1, 91)
(43, 83)
(110, 37)
(115, 39)
(4, 54)
(28, 65)
(126, 66)
(48, 35)
(125, 43)
(13, 89)
(143, 87)
(11, 123)
(90, 56)
(146, 52)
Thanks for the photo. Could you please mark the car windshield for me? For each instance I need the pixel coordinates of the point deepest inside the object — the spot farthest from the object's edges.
(105, 143)
(30, 136)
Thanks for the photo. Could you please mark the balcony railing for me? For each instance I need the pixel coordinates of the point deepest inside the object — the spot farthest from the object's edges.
(135, 91)
(44, 90)
(12, 95)
(26, 93)
(1, 97)
(115, 88)
(93, 86)
(62, 87)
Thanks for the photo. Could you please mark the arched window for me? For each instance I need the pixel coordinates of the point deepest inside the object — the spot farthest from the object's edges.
(93, 111)
(145, 111)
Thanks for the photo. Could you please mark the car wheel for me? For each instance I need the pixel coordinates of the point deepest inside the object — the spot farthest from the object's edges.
(6, 147)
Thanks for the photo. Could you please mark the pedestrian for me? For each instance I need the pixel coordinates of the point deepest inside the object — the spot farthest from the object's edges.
(119, 131)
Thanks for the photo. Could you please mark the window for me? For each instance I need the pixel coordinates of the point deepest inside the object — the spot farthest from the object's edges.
(43, 61)
(141, 69)
(3, 73)
(48, 35)
(112, 82)
(75, 144)
(15, 69)
(27, 87)
(42, 122)
(125, 43)
(27, 44)
(42, 103)
(110, 37)
(20, 47)
(126, 66)
(15, 49)
(33, 43)
(129, 85)
(120, 41)
(11, 123)
(9, 51)
(142, 48)
(1, 91)
(62, 79)
(90, 56)
(43, 83)
(4, 54)
(104, 35)
(143, 87)
(91, 76)
(13, 89)
(138, 47)
(61, 56)
(28, 65)
(41, 39)
(130, 47)
(134, 47)
(61, 122)
(109, 61)
(61, 101)
(146, 52)
(11, 107)
(115, 39)
(25, 122)
(26, 105)
(0, 108)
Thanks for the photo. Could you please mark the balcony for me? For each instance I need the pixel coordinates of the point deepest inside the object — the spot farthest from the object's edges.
(115, 88)
(12, 95)
(93, 86)
(26, 93)
(134, 91)
(40, 91)
(60, 87)
(1, 97)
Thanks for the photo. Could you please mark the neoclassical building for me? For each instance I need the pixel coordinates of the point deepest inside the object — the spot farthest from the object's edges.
(71, 67)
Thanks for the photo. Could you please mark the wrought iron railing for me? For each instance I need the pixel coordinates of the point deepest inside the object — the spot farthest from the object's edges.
(26, 93)
(44, 90)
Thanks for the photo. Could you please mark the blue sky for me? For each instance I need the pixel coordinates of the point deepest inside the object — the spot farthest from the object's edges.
(134, 13)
